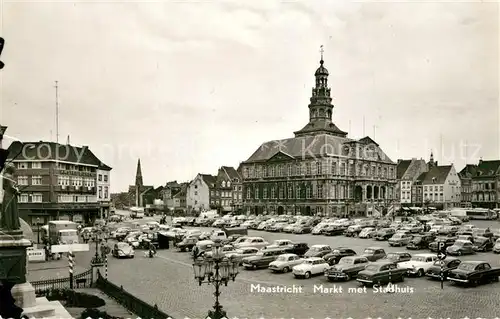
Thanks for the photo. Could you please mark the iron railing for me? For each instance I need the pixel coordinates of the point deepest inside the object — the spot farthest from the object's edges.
(83, 280)
(130, 302)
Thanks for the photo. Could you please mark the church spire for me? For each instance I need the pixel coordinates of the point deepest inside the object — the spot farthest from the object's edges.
(431, 160)
(138, 174)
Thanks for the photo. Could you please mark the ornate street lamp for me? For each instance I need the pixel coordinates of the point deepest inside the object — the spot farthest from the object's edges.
(217, 270)
(98, 259)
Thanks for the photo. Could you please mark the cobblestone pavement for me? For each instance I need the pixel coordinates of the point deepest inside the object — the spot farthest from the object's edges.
(168, 282)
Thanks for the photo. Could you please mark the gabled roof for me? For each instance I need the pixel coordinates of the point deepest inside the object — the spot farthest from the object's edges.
(488, 168)
(231, 173)
(469, 170)
(401, 168)
(54, 152)
(182, 192)
(210, 180)
(367, 140)
(437, 175)
(172, 184)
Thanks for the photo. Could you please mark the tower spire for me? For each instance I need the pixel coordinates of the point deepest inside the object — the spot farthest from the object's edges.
(138, 174)
(321, 50)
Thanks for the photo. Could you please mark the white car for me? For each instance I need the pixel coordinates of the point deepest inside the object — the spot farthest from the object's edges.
(241, 253)
(367, 232)
(419, 264)
(310, 267)
(285, 262)
(280, 243)
(257, 242)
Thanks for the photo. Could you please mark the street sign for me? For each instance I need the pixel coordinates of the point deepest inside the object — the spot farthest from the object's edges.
(67, 248)
(441, 255)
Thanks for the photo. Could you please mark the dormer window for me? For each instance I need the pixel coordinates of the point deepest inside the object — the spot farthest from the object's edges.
(223, 184)
(228, 184)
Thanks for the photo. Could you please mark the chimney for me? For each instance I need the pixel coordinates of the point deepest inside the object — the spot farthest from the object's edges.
(480, 161)
(399, 161)
(67, 140)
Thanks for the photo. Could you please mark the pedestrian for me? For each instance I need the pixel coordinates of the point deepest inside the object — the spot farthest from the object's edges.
(196, 252)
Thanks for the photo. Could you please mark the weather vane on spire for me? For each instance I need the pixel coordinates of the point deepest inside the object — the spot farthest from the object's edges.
(321, 50)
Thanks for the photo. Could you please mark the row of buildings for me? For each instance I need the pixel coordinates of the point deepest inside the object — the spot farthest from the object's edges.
(319, 171)
(322, 171)
(58, 181)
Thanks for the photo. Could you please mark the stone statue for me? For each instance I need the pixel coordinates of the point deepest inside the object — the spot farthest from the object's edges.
(9, 219)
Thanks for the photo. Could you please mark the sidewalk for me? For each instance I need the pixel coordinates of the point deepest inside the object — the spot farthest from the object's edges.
(112, 307)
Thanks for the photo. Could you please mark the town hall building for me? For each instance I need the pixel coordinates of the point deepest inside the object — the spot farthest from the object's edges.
(320, 171)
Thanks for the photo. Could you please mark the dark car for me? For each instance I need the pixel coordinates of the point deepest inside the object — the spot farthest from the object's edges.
(187, 243)
(298, 249)
(374, 253)
(332, 230)
(483, 244)
(448, 231)
(347, 268)
(448, 241)
(474, 273)
(263, 258)
(384, 234)
(460, 247)
(442, 268)
(421, 241)
(480, 232)
(318, 251)
(338, 253)
(380, 273)
(397, 257)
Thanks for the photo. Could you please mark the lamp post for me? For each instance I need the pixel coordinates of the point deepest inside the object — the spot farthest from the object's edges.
(38, 229)
(217, 270)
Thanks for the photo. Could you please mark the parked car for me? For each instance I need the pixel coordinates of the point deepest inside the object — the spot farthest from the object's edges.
(448, 241)
(421, 241)
(187, 243)
(298, 249)
(318, 251)
(310, 267)
(400, 239)
(317, 230)
(483, 244)
(122, 250)
(367, 232)
(481, 232)
(257, 242)
(374, 253)
(460, 247)
(333, 230)
(385, 234)
(442, 268)
(397, 257)
(262, 259)
(419, 264)
(380, 273)
(302, 229)
(353, 231)
(226, 249)
(241, 253)
(285, 262)
(474, 273)
(448, 230)
(337, 254)
(496, 248)
(280, 243)
(347, 268)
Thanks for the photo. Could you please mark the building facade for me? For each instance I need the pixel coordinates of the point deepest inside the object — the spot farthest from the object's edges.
(56, 181)
(486, 185)
(440, 186)
(466, 175)
(200, 193)
(228, 181)
(408, 172)
(103, 184)
(320, 171)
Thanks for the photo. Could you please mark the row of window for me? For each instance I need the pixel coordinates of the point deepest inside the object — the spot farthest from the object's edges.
(434, 197)
(61, 198)
(24, 180)
(75, 168)
(224, 184)
(483, 186)
(487, 197)
(318, 168)
(102, 178)
(63, 180)
(26, 165)
(69, 198)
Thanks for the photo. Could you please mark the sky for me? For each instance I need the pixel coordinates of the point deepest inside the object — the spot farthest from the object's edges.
(189, 86)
